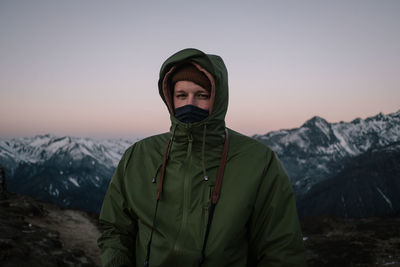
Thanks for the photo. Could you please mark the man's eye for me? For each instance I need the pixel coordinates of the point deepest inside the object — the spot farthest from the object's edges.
(204, 96)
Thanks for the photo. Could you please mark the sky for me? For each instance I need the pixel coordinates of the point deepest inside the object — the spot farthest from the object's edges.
(89, 68)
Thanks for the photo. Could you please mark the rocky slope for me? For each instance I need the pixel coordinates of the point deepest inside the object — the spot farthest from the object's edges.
(33, 233)
(368, 185)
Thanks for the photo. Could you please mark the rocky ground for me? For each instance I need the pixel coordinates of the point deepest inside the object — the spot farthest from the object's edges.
(333, 242)
(33, 233)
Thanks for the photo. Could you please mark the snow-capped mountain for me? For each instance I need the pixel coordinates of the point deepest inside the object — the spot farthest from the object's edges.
(319, 150)
(68, 171)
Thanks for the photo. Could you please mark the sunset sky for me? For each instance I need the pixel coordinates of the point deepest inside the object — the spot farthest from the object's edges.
(90, 68)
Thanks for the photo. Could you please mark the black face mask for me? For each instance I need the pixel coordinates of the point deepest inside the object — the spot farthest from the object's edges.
(190, 114)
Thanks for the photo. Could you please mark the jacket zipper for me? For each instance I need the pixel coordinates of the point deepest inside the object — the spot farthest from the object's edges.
(186, 196)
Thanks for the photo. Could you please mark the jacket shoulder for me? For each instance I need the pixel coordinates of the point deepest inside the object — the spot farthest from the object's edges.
(149, 143)
(247, 144)
(155, 140)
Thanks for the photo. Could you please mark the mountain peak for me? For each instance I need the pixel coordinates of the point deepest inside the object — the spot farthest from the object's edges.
(315, 121)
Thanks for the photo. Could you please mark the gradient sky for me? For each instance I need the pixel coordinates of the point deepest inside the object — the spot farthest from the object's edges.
(90, 68)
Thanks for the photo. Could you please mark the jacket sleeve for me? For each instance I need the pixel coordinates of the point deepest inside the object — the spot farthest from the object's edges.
(118, 223)
(275, 235)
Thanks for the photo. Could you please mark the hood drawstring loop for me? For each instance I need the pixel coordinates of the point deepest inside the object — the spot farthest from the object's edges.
(159, 191)
(203, 147)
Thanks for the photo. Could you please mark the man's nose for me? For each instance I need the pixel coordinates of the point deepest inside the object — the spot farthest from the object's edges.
(190, 100)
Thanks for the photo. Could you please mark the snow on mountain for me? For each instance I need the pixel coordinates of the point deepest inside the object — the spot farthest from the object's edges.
(42, 147)
(318, 149)
(68, 171)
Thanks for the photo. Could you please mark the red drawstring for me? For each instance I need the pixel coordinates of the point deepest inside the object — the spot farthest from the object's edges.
(217, 188)
(162, 175)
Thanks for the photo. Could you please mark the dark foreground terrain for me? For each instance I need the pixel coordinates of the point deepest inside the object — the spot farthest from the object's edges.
(334, 242)
(33, 233)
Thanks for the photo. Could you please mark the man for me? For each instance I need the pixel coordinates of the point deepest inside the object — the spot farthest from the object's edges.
(202, 194)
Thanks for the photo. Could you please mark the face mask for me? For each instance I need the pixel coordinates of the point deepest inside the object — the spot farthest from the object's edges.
(190, 114)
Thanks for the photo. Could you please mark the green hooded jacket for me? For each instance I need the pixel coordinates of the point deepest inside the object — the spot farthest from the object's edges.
(255, 221)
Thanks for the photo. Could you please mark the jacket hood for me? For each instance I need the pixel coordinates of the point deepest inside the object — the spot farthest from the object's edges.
(214, 68)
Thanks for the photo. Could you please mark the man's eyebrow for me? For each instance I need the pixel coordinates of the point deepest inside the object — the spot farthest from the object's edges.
(197, 91)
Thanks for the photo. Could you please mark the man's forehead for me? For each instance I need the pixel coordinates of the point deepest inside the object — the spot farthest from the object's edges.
(188, 85)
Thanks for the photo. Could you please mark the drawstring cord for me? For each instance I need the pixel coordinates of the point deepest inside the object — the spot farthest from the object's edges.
(159, 191)
(203, 159)
(164, 164)
(215, 196)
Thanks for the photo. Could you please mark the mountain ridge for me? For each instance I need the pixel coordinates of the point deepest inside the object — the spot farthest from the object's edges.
(63, 169)
(316, 150)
